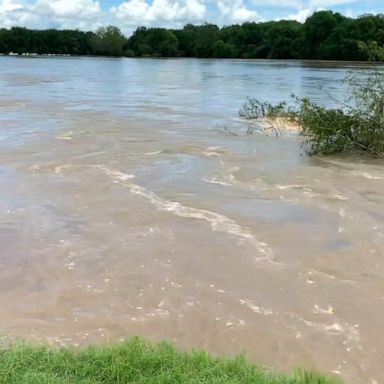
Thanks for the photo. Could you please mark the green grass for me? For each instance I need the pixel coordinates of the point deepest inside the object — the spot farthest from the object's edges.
(134, 361)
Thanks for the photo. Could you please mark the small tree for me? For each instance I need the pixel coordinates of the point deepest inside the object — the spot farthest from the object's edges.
(109, 41)
(357, 126)
(372, 50)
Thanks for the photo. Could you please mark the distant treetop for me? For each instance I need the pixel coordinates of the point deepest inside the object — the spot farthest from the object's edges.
(325, 35)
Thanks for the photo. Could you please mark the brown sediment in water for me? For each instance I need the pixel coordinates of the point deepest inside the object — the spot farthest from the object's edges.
(113, 225)
(204, 244)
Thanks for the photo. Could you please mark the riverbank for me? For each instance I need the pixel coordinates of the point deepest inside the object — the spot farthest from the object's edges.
(135, 361)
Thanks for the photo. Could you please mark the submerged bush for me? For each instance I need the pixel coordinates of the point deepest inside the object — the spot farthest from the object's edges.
(357, 126)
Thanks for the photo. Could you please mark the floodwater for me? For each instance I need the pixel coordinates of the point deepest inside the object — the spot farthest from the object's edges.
(133, 203)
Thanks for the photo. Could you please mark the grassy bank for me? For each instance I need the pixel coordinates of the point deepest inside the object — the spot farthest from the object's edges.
(136, 362)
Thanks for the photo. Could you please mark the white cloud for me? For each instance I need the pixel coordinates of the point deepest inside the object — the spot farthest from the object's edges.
(128, 14)
(279, 3)
(330, 3)
(85, 14)
(79, 9)
(141, 12)
(303, 12)
(136, 9)
(7, 6)
(235, 11)
(242, 14)
(8, 10)
(301, 4)
(301, 15)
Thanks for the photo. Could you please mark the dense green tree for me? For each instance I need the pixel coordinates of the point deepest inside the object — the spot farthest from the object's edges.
(154, 42)
(138, 42)
(317, 31)
(372, 51)
(324, 35)
(206, 36)
(280, 38)
(186, 38)
(167, 44)
(109, 41)
(224, 50)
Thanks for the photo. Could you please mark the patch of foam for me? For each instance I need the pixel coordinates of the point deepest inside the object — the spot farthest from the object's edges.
(217, 149)
(256, 308)
(214, 180)
(60, 168)
(348, 331)
(227, 180)
(90, 154)
(342, 212)
(369, 176)
(70, 265)
(292, 186)
(217, 221)
(312, 272)
(323, 311)
(35, 167)
(154, 153)
(338, 196)
(65, 136)
(211, 153)
(307, 191)
(214, 151)
(117, 175)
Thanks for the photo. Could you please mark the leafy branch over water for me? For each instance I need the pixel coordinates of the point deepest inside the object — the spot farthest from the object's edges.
(356, 127)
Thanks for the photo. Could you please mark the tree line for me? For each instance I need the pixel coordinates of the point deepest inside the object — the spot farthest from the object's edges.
(325, 35)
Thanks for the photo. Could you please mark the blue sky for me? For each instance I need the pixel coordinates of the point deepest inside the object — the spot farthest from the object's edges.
(128, 14)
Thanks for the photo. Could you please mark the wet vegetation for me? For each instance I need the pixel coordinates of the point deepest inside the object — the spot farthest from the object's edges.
(136, 362)
(325, 35)
(357, 126)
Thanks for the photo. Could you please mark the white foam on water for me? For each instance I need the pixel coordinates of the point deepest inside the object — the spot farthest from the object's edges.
(323, 311)
(338, 196)
(255, 308)
(35, 167)
(116, 175)
(368, 176)
(227, 180)
(70, 265)
(304, 189)
(59, 169)
(342, 212)
(65, 136)
(217, 149)
(153, 153)
(214, 151)
(211, 153)
(348, 331)
(218, 222)
(90, 154)
(214, 180)
(291, 186)
(312, 272)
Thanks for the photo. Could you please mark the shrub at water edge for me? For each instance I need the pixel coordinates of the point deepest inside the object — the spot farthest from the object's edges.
(357, 126)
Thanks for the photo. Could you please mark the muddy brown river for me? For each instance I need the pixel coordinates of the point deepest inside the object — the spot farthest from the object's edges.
(132, 202)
